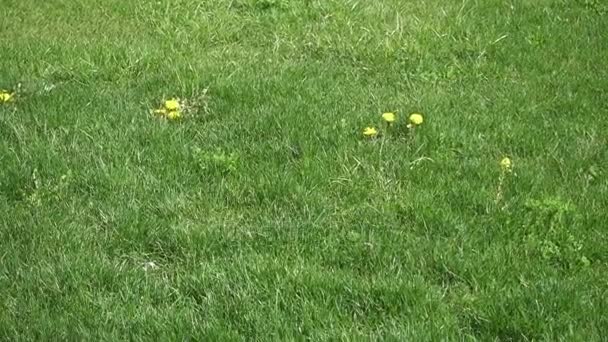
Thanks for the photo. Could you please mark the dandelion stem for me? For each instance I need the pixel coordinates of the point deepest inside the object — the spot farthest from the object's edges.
(500, 191)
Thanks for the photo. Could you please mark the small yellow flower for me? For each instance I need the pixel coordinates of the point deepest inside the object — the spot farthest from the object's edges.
(415, 120)
(370, 132)
(506, 164)
(5, 96)
(174, 115)
(389, 117)
(172, 105)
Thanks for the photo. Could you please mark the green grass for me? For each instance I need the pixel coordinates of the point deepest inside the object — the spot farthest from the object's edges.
(265, 212)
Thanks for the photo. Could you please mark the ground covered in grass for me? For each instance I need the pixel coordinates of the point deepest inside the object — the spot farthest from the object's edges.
(263, 212)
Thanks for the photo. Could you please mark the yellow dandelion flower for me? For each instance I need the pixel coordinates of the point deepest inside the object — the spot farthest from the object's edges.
(172, 105)
(416, 119)
(389, 117)
(174, 115)
(370, 132)
(506, 164)
(5, 96)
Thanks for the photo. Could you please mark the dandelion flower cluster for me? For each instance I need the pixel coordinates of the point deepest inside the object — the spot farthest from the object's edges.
(5, 96)
(171, 109)
(172, 105)
(389, 117)
(415, 120)
(370, 132)
(506, 164)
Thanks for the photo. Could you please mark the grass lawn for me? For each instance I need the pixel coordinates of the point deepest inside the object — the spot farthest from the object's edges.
(263, 212)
